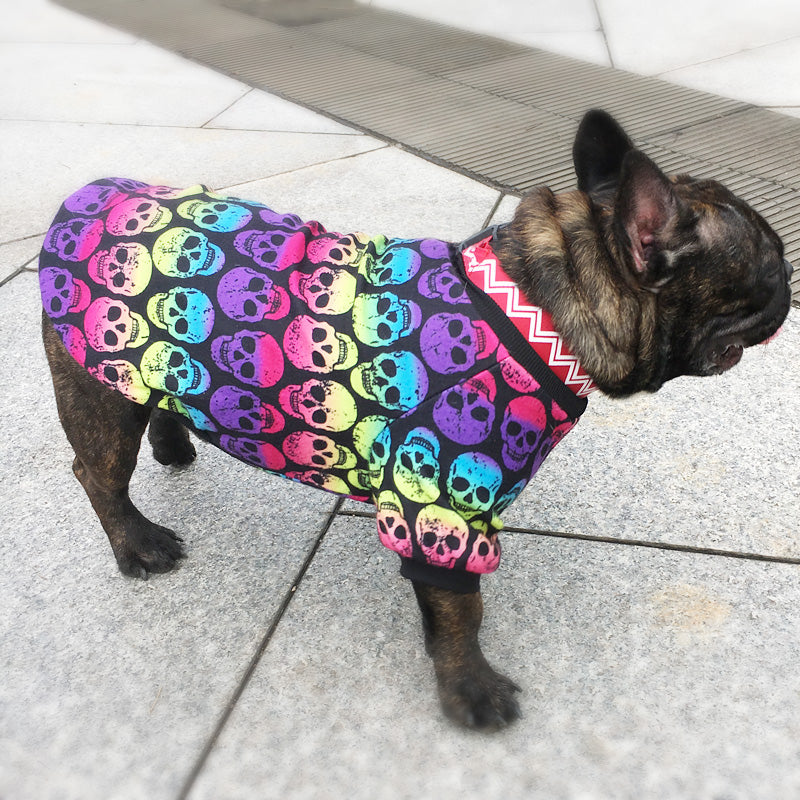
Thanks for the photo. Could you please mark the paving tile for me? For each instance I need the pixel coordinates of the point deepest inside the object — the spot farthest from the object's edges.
(384, 191)
(704, 462)
(16, 254)
(45, 162)
(136, 84)
(112, 686)
(261, 111)
(644, 673)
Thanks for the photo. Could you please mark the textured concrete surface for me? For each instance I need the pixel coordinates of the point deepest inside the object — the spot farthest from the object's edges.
(647, 673)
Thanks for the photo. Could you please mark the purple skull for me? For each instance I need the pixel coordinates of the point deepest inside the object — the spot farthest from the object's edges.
(76, 239)
(465, 413)
(524, 422)
(452, 342)
(275, 250)
(239, 410)
(275, 220)
(129, 185)
(434, 248)
(260, 454)
(93, 199)
(442, 283)
(250, 296)
(253, 357)
(61, 293)
(74, 341)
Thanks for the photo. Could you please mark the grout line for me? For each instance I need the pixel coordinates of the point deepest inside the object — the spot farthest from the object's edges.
(18, 271)
(596, 4)
(586, 537)
(256, 658)
(227, 108)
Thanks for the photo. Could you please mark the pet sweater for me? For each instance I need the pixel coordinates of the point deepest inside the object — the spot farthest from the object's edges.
(383, 369)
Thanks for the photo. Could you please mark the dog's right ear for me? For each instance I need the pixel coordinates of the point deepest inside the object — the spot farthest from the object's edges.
(599, 149)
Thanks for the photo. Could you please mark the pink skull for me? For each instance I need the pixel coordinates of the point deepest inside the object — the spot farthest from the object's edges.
(124, 377)
(322, 480)
(253, 357)
(131, 217)
(316, 346)
(111, 326)
(74, 341)
(392, 527)
(333, 249)
(315, 450)
(247, 295)
(442, 534)
(485, 555)
(326, 291)
(275, 250)
(75, 239)
(524, 422)
(126, 268)
(516, 376)
(253, 451)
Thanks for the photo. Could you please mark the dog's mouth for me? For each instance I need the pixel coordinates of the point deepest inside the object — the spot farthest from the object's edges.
(723, 357)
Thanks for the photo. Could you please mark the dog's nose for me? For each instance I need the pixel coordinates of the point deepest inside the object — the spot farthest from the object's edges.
(789, 268)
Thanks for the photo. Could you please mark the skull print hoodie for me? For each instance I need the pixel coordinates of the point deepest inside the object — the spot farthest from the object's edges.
(406, 372)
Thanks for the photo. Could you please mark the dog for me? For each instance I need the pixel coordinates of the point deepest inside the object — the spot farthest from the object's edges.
(429, 377)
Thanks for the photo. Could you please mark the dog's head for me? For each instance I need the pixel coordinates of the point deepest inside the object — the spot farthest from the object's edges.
(701, 274)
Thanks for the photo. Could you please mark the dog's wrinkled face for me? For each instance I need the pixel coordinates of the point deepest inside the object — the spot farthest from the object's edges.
(708, 271)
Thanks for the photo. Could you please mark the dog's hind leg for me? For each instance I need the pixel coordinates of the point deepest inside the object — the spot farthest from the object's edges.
(169, 440)
(105, 430)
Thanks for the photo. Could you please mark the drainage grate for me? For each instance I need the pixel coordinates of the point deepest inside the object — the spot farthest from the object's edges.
(502, 113)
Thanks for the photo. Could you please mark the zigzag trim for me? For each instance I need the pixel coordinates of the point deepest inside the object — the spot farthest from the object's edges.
(533, 322)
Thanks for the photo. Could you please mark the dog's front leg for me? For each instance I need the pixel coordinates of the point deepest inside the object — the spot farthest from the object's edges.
(471, 692)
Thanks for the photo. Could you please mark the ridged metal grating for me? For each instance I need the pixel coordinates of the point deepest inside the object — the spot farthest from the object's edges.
(500, 112)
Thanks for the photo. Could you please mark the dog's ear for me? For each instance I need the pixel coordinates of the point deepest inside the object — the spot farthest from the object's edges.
(599, 149)
(645, 214)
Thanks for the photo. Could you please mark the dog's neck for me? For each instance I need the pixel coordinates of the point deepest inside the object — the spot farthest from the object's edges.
(559, 251)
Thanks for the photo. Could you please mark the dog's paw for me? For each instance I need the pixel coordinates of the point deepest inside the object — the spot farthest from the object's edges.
(481, 699)
(150, 548)
(174, 452)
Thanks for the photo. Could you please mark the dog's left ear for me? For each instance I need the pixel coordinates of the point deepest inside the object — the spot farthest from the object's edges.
(646, 213)
(598, 152)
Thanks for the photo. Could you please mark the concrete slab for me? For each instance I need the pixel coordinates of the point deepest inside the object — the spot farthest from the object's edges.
(16, 254)
(383, 191)
(644, 673)
(47, 162)
(261, 111)
(136, 84)
(704, 462)
(110, 686)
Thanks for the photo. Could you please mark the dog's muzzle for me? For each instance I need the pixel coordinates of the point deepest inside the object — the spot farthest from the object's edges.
(789, 269)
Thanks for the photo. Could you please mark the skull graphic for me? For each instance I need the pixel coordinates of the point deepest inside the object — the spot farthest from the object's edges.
(485, 554)
(76, 239)
(111, 326)
(442, 535)
(93, 199)
(216, 215)
(366, 431)
(311, 449)
(124, 377)
(171, 369)
(323, 404)
(397, 264)
(183, 253)
(442, 283)
(196, 417)
(472, 483)
(237, 409)
(382, 319)
(321, 480)
(249, 296)
(392, 527)
(524, 422)
(465, 413)
(74, 341)
(335, 249)
(416, 466)
(253, 357)
(396, 380)
(452, 343)
(327, 290)
(275, 250)
(187, 314)
(61, 293)
(275, 220)
(316, 346)
(132, 217)
(253, 451)
(125, 268)
(514, 374)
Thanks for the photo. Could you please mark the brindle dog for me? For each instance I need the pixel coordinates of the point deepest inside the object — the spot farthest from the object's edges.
(646, 277)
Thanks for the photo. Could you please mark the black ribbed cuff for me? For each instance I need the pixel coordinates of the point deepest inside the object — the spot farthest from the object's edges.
(455, 580)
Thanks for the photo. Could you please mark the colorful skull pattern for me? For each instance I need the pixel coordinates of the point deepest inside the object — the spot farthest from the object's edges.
(357, 365)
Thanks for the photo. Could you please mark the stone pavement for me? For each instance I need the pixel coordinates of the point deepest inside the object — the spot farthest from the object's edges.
(647, 599)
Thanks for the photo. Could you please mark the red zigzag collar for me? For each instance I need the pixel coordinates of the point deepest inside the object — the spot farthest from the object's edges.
(535, 324)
